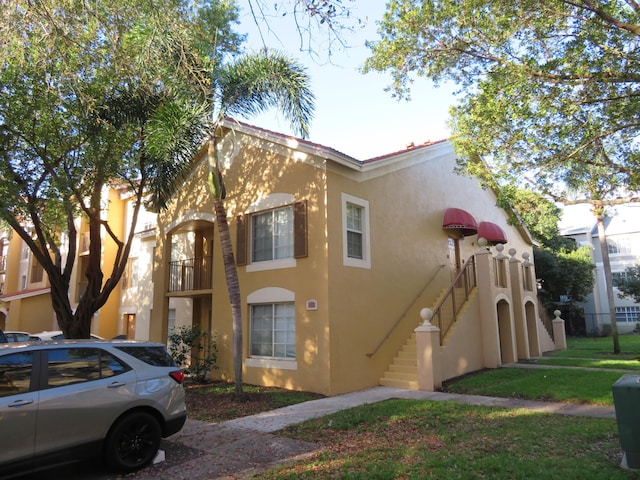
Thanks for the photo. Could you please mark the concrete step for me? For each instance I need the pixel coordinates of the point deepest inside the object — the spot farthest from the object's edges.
(393, 382)
(406, 355)
(410, 348)
(413, 369)
(413, 361)
(409, 377)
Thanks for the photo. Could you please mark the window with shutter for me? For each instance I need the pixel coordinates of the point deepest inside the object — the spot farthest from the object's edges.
(273, 238)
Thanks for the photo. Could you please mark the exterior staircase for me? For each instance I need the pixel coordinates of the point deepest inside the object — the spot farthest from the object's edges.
(403, 371)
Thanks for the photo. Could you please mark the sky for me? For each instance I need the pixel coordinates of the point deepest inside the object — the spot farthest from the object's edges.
(354, 114)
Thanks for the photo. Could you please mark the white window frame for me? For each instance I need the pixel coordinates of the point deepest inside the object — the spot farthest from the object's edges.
(271, 295)
(270, 202)
(628, 314)
(619, 245)
(365, 261)
(275, 234)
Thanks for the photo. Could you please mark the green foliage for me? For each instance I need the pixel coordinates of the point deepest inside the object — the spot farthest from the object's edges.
(565, 273)
(537, 213)
(562, 270)
(194, 350)
(80, 85)
(550, 88)
(629, 284)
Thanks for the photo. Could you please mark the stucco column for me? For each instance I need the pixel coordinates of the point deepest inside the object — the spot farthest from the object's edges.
(159, 312)
(488, 314)
(428, 351)
(517, 297)
(559, 335)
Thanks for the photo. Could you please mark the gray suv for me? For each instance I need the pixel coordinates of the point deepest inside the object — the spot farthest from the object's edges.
(77, 399)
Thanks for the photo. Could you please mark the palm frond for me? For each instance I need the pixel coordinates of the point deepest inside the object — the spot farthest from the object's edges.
(174, 135)
(254, 83)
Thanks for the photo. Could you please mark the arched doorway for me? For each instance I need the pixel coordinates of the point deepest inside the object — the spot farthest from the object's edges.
(508, 352)
(532, 329)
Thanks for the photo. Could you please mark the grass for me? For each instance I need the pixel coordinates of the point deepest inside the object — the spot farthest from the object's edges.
(552, 385)
(443, 440)
(601, 349)
(412, 439)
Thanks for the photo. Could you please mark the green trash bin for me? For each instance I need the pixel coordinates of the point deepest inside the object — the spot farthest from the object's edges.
(626, 398)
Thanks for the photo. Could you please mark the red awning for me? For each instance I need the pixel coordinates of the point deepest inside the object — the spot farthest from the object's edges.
(492, 232)
(461, 220)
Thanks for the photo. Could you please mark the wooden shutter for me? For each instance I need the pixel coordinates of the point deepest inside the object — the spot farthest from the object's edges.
(300, 242)
(241, 240)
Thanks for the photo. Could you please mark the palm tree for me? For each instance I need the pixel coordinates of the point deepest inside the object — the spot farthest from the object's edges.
(246, 86)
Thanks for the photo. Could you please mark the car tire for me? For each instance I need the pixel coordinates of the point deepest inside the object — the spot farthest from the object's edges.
(132, 442)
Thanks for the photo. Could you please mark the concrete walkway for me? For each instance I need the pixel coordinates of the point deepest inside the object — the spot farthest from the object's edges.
(277, 419)
(282, 417)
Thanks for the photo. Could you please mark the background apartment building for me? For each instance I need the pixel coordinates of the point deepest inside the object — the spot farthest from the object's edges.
(622, 227)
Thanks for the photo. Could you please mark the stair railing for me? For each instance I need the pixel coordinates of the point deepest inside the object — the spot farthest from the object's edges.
(445, 313)
(411, 304)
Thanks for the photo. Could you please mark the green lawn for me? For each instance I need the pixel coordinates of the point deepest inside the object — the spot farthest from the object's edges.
(552, 385)
(597, 353)
(601, 349)
(413, 439)
(560, 384)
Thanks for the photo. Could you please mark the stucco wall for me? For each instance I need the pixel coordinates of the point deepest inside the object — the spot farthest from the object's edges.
(409, 248)
(362, 314)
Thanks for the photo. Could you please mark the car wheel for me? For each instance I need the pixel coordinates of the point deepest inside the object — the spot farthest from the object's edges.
(132, 442)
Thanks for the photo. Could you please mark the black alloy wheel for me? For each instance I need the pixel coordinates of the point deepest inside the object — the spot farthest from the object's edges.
(132, 442)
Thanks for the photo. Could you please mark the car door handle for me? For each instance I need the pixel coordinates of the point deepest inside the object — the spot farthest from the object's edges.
(116, 384)
(20, 403)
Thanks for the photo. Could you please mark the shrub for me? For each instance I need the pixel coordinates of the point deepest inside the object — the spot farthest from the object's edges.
(194, 350)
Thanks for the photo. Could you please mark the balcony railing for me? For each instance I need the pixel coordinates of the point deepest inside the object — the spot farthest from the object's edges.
(190, 274)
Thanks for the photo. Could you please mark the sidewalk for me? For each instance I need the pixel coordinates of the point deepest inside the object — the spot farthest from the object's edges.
(282, 417)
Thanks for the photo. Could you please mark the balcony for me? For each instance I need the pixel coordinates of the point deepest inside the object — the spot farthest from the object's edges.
(190, 274)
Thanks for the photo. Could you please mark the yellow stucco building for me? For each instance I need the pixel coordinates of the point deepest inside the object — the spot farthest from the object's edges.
(336, 260)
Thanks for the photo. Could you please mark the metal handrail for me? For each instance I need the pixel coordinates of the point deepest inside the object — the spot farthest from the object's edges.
(395, 325)
(190, 274)
(465, 280)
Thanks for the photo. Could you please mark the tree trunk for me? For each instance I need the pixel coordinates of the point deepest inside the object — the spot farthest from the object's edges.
(233, 287)
(602, 237)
